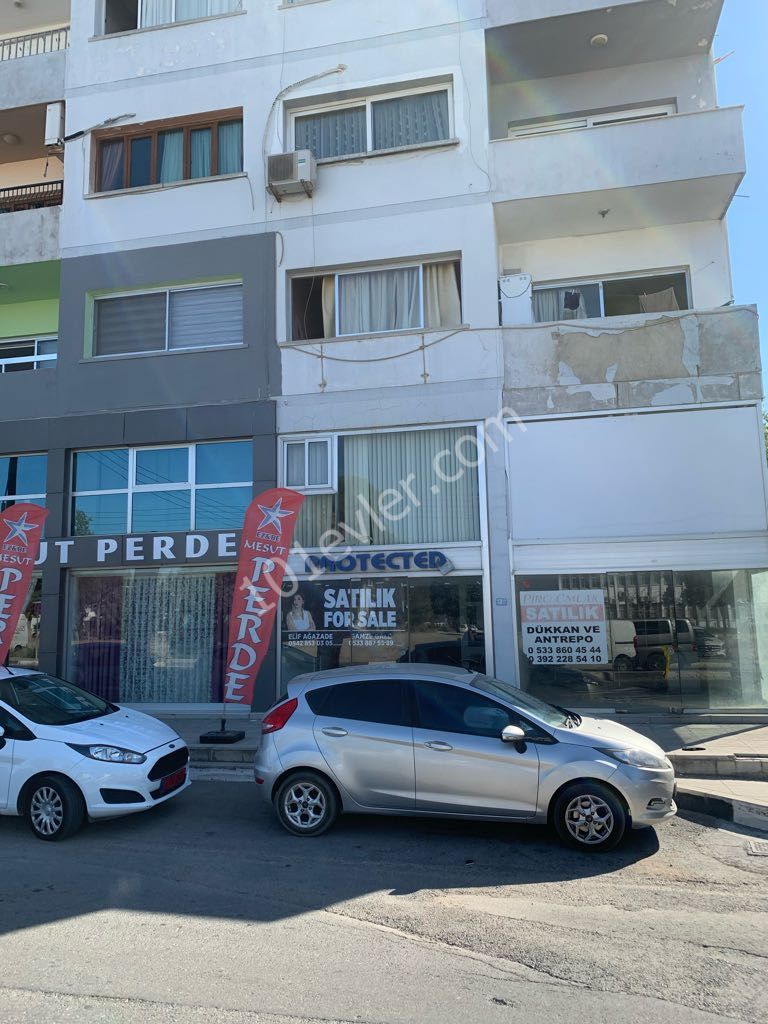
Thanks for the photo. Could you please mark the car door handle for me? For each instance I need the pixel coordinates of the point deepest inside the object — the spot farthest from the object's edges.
(335, 731)
(438, 745)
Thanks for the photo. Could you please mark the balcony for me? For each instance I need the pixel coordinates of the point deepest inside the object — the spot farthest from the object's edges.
(32, 44)
(618, 176)
(32, 67)
(27, 354)
(689, 357)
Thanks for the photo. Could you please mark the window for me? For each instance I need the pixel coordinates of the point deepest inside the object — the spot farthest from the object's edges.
(374, 125)
(309, 464)
(391, 299)
(171, 320)
(164, 152)
(380, 701)
(13, 728)
(440, 504)
(607, 117)
(656, 293)
(128, 15)
(154, 490)
(32, 354)
(22, 478)
(450, 709)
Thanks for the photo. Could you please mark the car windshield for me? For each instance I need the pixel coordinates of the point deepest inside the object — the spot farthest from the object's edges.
(523, 701)
(49, 701)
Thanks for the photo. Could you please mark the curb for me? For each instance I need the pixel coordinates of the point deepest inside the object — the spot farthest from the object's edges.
(754, 816)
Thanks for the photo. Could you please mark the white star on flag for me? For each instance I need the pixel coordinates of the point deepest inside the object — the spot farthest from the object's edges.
(19, 528)
(273, 515)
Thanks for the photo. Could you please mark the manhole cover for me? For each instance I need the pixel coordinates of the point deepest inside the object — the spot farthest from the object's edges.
(757, 848)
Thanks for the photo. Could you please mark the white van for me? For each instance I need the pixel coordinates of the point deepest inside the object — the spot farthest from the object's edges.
(621, 644)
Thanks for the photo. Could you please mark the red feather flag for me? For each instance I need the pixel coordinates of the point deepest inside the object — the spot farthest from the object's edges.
(21, 527)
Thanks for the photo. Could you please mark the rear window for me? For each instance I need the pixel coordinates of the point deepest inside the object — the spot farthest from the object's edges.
(378, 701)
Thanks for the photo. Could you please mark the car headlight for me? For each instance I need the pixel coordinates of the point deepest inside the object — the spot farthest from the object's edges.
(635, 757)
(116, 755)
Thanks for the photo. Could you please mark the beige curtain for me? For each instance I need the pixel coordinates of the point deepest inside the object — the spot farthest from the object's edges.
(659, 302)
(442, 304)
(329, 306)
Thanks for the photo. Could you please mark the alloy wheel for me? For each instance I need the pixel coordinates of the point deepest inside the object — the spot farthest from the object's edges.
(46, 811)
(589, 819)
(304, 805)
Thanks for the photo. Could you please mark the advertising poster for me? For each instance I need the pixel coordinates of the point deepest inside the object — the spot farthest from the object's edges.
(564, 627)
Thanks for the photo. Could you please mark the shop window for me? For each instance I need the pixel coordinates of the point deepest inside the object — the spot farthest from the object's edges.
(170, 489)
(128, 15)
(334, 622)
(399, 487)
(375, 124)
(165, 152)
(583, 300)
(170, 320)
(149, 636)
(22, 479)
(632, 640)
(386, 300)
(25, 642)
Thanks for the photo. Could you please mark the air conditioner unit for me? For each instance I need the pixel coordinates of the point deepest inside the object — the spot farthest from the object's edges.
(290, 174)
(54, 125)
(515, 300)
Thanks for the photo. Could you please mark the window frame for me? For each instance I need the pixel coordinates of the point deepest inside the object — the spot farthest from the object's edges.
(332, 486)
(191, 485)
(35, 359)
(578, 282)
(167, 290)
(25, 496)
(578, 122)
(367, 101)
(186, 124)
(347, 271)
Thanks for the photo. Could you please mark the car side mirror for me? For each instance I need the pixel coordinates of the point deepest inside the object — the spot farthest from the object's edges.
(2, 732)
(514, 734)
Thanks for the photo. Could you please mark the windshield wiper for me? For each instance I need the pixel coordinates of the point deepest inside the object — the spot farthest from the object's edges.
(572, 720)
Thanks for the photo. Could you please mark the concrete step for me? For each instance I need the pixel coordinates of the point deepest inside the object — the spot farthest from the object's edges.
(699, 763)
(743, 802)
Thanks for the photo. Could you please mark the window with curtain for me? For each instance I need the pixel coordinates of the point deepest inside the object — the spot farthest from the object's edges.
(127, 15)
(395, 121)
(398, 298)
(370, 465)
(169, 320)
(202, 146)
(654, 293)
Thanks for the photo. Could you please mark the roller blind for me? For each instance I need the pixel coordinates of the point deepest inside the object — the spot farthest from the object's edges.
(203, 317)
(134, 323)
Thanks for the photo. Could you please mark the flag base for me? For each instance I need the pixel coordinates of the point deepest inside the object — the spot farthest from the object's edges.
(223, 736)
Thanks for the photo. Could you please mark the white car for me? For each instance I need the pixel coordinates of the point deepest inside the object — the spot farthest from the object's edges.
(66, 754)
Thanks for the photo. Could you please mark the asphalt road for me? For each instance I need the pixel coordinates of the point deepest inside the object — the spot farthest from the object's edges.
(204, 910)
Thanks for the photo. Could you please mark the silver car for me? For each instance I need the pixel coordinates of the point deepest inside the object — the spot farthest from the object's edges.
(428, 740)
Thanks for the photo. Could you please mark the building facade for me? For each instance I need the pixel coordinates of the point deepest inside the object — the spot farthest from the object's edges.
(483, 320)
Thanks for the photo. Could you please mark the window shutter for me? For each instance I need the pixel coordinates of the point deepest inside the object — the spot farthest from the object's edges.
(135, 323)
(202, 317)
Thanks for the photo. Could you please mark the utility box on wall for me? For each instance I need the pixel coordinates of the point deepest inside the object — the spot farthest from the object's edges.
(515, 300)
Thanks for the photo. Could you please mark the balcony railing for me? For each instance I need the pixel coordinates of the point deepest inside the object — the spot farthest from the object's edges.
(31, 197)
(35, 354)
(33, 43)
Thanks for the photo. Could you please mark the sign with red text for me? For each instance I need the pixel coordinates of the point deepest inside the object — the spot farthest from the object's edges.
(564, 627)
(21, 527)
(264, 549)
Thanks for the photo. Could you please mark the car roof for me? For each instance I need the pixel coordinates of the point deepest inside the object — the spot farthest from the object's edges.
(6, 671)
(389, 670)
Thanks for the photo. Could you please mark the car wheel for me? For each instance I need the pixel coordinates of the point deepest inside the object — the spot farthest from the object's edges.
(622, 663)
(656, 662)
(589, 817)
(55, 808)
(306, 804)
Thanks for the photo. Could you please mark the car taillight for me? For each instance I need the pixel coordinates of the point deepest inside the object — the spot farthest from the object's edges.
(278, 716)
(634, 642)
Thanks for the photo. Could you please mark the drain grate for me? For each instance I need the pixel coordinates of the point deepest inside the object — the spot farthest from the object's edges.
(757, 848)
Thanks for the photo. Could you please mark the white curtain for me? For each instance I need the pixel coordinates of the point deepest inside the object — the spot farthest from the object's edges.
(167, 631)
(200, 161)
(230, 158)
(383, 300)
(329, 306)
(659, 302)
(372, 463)
(188, 9)
(111, 157)
(333, 133)
(170, 156)
(410, 120)
(442, 304)
(156, 12)
(558, 304)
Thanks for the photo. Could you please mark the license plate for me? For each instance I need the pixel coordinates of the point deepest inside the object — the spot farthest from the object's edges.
(173, 781)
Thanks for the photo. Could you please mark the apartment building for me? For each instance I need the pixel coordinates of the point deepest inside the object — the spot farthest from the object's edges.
(458, 271)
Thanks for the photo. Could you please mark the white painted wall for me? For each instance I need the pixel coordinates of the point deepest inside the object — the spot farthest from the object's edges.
(701, 248)
(688, 81)
(655, 474)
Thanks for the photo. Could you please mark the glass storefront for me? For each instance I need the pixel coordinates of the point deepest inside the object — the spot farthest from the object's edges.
(150, 636)
(336, 622)
(25, 643)
(667, 639)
